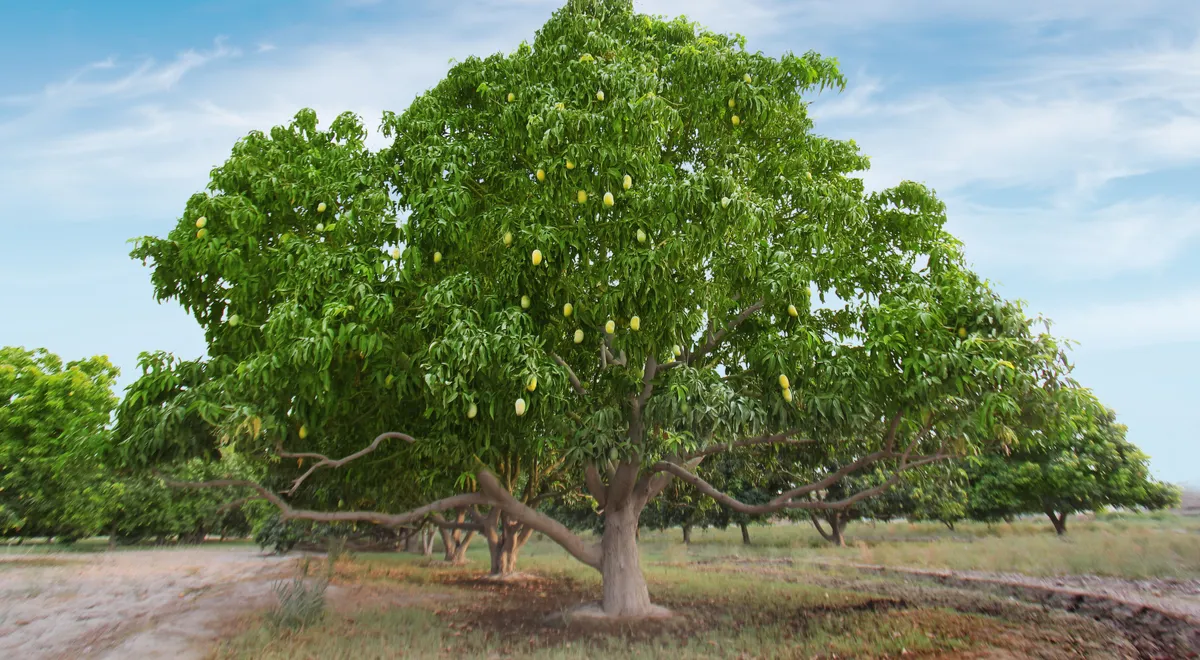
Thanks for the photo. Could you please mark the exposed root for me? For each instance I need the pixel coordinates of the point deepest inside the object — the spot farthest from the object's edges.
(595, 612)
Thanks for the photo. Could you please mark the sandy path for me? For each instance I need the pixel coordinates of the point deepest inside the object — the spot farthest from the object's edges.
(136, 604)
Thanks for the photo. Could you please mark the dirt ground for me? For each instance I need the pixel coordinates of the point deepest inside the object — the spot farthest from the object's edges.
(129, 604)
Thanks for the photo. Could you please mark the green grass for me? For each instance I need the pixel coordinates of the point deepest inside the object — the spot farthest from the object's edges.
(1125, 545)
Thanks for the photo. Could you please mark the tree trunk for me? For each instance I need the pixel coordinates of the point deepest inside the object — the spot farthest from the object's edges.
(505, 541)
(625, 592)
(412, 541)
(1059, 521)
(836, 527)
(687, 534)
(427, 542)
(745, 533)
(949, 524)
(455, 543)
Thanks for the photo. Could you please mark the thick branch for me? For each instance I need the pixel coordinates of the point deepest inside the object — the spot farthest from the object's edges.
(773, 439)
(660, 481)
(607, 358)
(570, 375)
(325, 461)
(647, 382)
(386, 519)
(889, 440)
(817, 523)
(588, 554)
(595, 486)
(442, 523)
(716, 339)
(777, 504)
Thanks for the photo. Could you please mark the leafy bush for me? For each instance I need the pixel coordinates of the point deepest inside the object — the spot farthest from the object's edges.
(301, 601)
(279, 535)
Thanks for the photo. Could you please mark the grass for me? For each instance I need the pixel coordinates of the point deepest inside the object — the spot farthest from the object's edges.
(728, 608)
(727, 616)
(1125, 545)
(787, 595)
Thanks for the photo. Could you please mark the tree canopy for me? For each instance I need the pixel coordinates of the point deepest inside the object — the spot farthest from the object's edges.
(1088, 466)
(591, 263)
(53, 436)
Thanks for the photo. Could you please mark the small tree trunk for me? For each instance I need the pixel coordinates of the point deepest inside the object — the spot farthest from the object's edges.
(836, 526)
(687, 534)
(1058, 520)
(949, 524)
(625, 592)
(427, 542)
(454, 544)
(745, 533)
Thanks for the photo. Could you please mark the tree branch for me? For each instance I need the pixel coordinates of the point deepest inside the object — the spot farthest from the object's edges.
(595, 485)
(778, 504)
(588, 554)
(716, 339)
(570, 375)
(286, 511)
(773, 439)
(440, 521)
(325, 461)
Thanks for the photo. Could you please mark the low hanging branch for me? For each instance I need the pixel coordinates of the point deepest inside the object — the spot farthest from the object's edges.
(326, 462)
(778, 505)
(588, 554)
(287, 512)
(787, 500)
(784, 438)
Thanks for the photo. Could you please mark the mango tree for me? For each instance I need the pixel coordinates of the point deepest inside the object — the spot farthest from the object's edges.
(54, 435)
(643, 205)
(1073, 462)
(622, 250)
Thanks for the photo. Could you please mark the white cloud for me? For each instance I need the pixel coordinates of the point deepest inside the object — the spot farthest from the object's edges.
(1173, 318)
(1109, 242)
(1058, 130)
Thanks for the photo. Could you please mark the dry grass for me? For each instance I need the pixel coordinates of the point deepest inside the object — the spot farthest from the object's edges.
(725, 611)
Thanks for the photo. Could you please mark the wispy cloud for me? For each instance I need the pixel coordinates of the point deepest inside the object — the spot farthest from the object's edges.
(1112, 241)
(1165, 319)
(144, 78)
(1058, 130)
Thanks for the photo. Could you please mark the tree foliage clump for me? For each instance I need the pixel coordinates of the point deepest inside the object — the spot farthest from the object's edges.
(53, 437)
(1087, 466)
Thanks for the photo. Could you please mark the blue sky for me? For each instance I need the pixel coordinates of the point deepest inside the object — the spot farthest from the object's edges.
(1064, 137)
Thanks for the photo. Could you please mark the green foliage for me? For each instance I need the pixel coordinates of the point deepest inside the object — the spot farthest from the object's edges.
(1083, 463)
(599, 170)
(301, 601)
(144, 508)
(53, 439)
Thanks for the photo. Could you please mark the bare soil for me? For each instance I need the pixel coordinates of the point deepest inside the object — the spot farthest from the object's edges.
(129, 604)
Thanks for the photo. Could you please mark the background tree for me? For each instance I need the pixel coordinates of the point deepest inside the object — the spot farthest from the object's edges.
(53, 435)
(1064, 467)
(608, 268)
